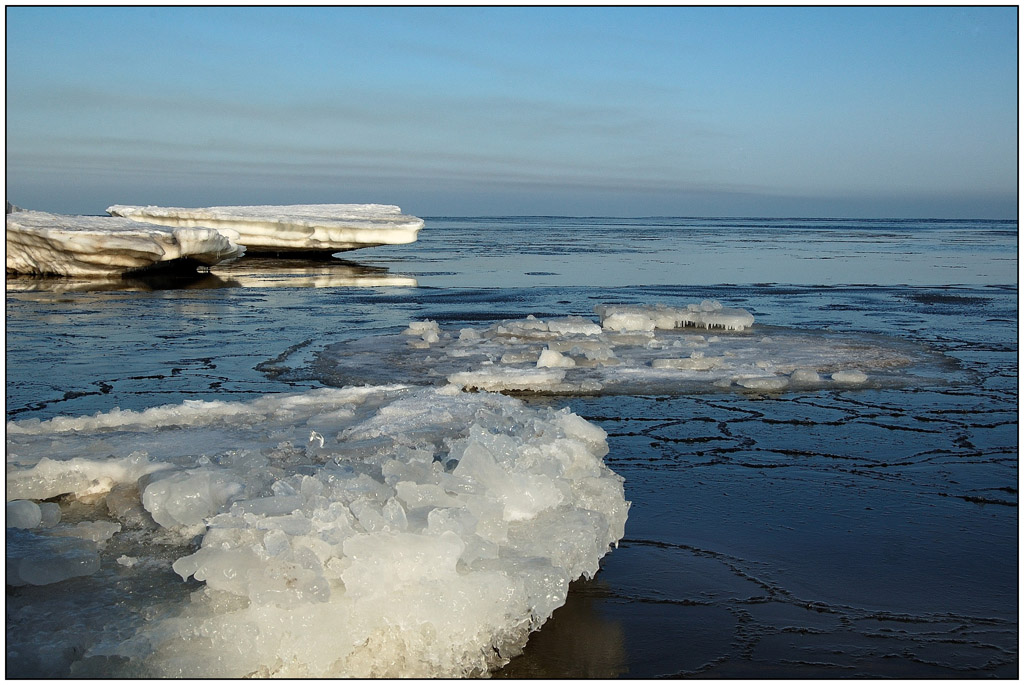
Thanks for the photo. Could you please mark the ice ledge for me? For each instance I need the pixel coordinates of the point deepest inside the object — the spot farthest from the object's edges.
(40, 243)
(290, 228)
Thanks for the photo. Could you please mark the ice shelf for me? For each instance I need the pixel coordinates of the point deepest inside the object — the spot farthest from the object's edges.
(290, 228)
(359, 532)
(40, 243)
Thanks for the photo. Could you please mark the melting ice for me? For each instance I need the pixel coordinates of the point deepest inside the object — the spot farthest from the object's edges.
(628, 350)
(305, 228)
(91, 246)
(374, 531)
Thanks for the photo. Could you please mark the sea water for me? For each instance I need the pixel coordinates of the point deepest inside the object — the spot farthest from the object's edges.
(811, 531)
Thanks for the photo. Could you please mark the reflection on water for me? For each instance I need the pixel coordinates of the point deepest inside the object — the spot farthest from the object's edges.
(251, 272)
(272, 272)
(139, 283)
(576, 642)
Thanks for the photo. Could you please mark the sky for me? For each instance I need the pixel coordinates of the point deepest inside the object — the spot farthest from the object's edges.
(454, 111)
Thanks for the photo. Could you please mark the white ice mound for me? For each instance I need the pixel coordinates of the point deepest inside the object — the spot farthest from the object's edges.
(101, 246)
(358, 532)
(290, 228)
(639, 350)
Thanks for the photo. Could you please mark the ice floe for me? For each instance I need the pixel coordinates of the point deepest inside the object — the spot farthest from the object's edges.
(290, 228)
(629, 350)
(100, 246)
(359, 532)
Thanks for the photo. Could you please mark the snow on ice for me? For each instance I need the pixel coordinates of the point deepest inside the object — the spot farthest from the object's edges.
(93, 246)
(305, 228)
(373, 531)
(631, 349)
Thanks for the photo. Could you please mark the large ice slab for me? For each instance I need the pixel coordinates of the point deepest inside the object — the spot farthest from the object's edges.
(99, 246)
(291, 228)
(359, 532)
(631, 349)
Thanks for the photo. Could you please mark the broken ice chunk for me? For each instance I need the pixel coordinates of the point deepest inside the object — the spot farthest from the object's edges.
(23, 513)
(849, 376)
(187, 498)
(805, 376)
(522, 495)
(763, 383)
(96, 531)
(496, 379)
(551, 359)
(34, 559)
(50, 514)
(428, 330)
(80, 476)
(124, 503)
(573, 325)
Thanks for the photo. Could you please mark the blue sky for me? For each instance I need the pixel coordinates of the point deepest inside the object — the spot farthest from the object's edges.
(724, 111)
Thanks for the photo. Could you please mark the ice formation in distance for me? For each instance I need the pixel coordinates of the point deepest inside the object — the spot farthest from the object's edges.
(285, 228)
(629, 350)
(359, 532)
(96, 246)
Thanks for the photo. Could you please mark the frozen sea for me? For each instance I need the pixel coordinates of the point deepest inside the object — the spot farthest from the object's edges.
(866, 530)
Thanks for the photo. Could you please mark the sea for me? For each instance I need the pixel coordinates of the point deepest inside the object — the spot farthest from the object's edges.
(822, 532)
